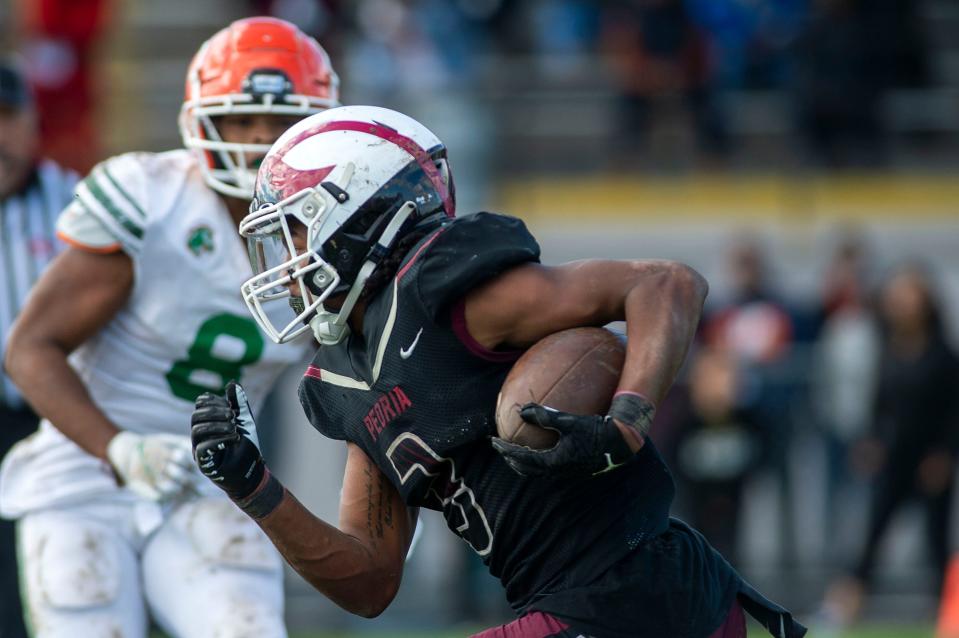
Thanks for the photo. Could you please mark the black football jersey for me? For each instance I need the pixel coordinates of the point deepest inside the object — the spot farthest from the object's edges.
(417, 394)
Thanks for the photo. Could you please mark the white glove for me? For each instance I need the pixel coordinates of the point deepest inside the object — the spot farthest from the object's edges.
(154, 466)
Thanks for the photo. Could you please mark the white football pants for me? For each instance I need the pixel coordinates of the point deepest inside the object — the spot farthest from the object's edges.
(206, 570)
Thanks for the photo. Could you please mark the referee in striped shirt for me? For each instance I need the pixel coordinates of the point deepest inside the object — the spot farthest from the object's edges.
(32, 194)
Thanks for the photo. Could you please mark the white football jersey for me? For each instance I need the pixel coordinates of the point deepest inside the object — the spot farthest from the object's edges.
(184, 330)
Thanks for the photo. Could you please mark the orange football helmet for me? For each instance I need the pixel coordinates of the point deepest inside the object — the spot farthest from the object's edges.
(255, 65)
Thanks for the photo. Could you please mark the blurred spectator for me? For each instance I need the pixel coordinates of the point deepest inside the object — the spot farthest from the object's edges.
(843, 373)
(839, 85)
(322, 19)
(754, 324)
(916, 428)
(757, 328)
(717, 444)
(411, 47)
(59, 39)
(900, 42)
(563, 32)
(749, 42)
(851, 53)
(32, 193)
(656, 53)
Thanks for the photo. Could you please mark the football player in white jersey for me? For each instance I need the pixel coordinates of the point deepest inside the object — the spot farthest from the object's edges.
(139, 316)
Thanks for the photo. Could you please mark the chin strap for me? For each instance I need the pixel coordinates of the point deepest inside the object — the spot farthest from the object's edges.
(326, 332)
(331, 328)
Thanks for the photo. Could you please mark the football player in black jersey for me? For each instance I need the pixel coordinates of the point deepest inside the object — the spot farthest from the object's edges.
(420, 315)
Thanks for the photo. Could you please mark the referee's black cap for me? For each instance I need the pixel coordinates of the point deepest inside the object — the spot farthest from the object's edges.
(14, 90)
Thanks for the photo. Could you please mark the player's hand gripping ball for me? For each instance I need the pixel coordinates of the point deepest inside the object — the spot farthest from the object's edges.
(549, 412)
(587, 445)
(573, 371)
(225, 443)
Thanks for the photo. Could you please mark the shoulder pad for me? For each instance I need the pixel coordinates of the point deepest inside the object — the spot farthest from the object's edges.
(468, 252)
(115, 193)
(77, 226)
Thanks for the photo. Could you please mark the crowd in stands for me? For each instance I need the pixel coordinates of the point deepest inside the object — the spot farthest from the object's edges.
(868, 372)
(833, 59)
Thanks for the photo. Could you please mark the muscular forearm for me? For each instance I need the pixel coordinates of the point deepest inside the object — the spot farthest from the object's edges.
(661, 302)
(76, 297)
(36, 368)
(662, 312)
(339, 565)
(357, 566)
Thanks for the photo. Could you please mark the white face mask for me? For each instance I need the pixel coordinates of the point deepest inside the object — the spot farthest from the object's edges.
(278, 263)
(231, 175)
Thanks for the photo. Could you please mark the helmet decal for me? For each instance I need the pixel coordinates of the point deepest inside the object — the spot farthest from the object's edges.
(284, 180)
(393, 136)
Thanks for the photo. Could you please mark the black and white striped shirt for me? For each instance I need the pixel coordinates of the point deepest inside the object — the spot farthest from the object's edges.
(27, 244)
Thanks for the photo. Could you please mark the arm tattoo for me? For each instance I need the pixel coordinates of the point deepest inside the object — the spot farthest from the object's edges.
(386, 502)
(379, 506)
(369, 503)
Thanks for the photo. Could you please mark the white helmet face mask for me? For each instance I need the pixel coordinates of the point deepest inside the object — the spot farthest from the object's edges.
(332, 195)
(231, 175)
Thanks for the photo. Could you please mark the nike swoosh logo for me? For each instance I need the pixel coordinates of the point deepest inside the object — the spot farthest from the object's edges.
(406, 352)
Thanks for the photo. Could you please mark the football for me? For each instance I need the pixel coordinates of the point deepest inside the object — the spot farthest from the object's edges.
(573, 371)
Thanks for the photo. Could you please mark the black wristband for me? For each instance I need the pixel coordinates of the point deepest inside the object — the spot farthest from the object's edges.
(634, 410)
(264, 498)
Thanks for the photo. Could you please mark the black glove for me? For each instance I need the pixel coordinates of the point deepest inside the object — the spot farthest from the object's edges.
(587, 445)
(225, 445)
